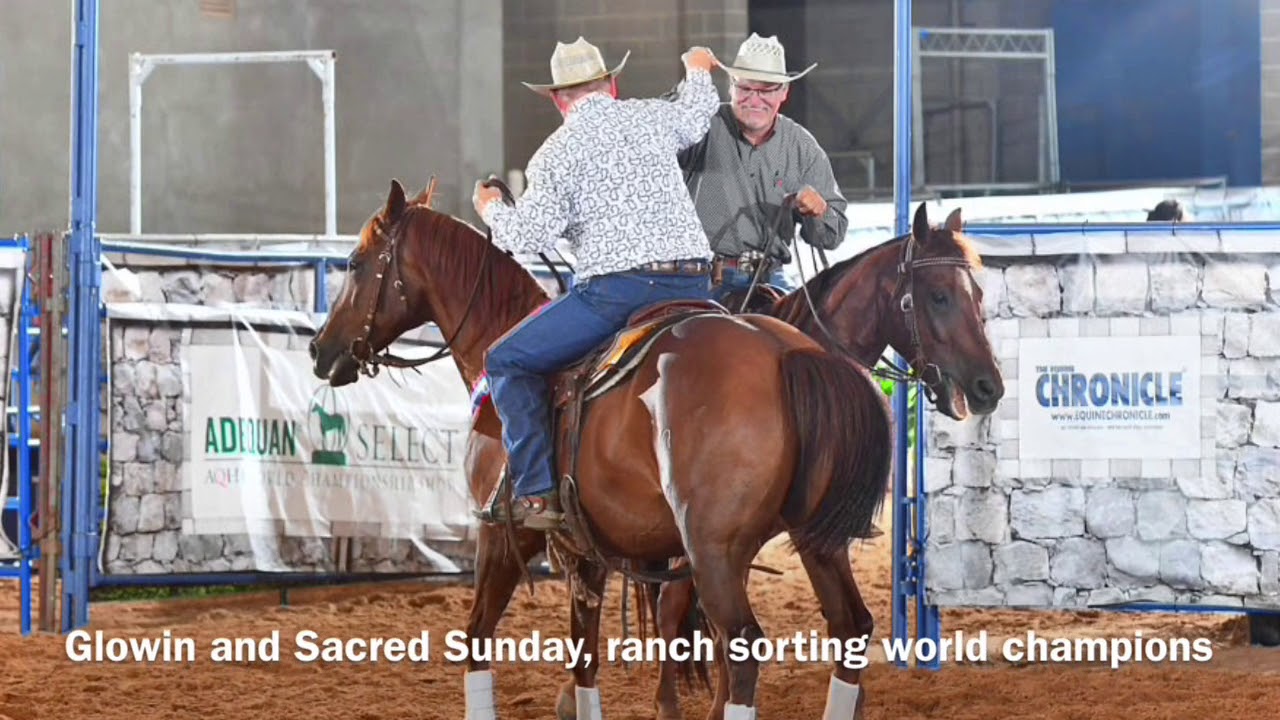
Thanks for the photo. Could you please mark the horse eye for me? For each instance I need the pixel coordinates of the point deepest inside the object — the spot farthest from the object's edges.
(353, 265)
(938, 297)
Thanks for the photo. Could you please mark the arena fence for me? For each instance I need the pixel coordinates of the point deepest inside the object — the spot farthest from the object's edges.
(1159, 526)
(1134, 462)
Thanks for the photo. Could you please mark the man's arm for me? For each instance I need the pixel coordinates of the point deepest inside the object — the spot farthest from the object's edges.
(697, 99)
(539, 216)
(826, 228)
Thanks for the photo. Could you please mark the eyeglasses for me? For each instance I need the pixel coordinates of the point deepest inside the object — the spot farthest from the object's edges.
(766, 91)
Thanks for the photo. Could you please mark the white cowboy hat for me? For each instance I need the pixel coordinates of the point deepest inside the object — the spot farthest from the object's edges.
(576, 63)
(763, 60)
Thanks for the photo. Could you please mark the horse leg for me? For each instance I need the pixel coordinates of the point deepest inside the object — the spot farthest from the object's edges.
(497, 573)
(847, 618)
(675, 603)
(579, 697)
(721, 580)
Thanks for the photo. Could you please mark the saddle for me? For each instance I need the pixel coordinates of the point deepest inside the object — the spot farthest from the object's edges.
(762, 300)
(600, 370)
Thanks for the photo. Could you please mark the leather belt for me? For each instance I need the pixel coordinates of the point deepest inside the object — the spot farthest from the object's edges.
(675, 267)
(747, 262)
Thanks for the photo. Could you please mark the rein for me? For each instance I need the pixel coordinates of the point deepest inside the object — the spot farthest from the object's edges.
(921, 370)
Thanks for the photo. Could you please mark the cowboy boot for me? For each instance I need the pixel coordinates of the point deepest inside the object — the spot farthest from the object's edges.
(540, 511)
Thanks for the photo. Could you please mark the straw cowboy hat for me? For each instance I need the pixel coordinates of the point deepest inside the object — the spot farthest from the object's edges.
(763, 60)
(576, 63)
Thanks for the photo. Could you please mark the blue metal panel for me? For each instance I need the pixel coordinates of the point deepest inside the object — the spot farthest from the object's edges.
(81, 490)
(1158, 89)
(904, 580)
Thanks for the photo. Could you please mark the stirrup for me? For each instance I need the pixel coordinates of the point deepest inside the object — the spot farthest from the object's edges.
(491, 513)
(540, 511)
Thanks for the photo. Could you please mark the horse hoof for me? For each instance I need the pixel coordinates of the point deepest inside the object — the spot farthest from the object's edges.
(662, 713)
(566, 706)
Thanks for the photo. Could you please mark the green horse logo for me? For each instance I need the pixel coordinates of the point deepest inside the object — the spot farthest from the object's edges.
(327, 423)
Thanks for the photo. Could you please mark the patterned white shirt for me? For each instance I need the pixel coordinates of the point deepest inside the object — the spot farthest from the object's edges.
(608, 181)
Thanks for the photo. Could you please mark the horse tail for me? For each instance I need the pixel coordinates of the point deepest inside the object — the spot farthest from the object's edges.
(693, 669)
(841, 421)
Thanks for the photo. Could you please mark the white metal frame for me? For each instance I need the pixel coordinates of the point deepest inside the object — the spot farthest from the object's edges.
(321, 63)
(996, 44)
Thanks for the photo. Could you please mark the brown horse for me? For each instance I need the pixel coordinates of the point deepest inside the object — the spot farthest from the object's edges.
(915, 294)
(725, 425)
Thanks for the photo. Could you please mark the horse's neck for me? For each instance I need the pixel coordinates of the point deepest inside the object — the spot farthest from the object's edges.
(855, 307)
(466, 310)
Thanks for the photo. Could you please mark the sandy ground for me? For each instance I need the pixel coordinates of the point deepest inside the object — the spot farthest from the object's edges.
(1238, 682)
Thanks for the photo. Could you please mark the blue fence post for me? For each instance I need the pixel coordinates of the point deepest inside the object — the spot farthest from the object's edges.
(23, 446)
(80, 482)
(322, 286)
(902, 580)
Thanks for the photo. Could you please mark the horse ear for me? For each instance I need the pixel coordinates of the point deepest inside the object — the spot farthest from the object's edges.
(920, 226)
(954, 222)
(395, 200)
(424, 197)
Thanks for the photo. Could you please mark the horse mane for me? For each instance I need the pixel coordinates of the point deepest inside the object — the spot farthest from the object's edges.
(456, 249)
(793, 307)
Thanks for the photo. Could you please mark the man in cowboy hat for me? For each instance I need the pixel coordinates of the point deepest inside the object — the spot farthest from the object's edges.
(751, 158)
(607, 180)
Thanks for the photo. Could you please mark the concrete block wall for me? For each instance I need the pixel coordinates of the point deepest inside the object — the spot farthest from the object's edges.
(1011, 531)
(656, 32)
(240, 149)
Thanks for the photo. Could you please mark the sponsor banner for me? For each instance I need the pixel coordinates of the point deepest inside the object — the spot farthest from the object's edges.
(271, 444)
(1109, 398)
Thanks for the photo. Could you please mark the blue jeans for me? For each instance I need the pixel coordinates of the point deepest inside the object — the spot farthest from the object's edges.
(734, 279)
(551, 338)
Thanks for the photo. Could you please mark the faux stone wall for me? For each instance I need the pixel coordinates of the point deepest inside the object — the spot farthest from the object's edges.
(1005, 531)
(146, 504)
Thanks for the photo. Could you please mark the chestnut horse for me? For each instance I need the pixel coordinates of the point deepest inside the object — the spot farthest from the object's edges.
(915, 294)
(726, 425)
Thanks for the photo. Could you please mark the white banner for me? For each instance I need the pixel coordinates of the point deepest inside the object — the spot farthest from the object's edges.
(270, 444)
(1109, 398)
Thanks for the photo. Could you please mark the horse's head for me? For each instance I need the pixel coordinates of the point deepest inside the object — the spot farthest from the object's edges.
(942, 330)
(377, 303)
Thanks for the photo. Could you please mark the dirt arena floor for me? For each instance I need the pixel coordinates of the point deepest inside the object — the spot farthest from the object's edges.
(40, 682)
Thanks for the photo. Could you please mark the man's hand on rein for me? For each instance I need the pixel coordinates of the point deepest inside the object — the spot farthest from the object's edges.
(809, 202)
(482, 196)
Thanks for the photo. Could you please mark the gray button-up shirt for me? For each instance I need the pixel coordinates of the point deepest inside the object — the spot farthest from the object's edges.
(738, 187)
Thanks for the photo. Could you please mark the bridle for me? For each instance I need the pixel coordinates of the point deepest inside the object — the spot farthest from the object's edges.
(904, 292)
(360, 350)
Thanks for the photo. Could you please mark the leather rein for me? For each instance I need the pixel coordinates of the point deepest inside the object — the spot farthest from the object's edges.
(920, 368)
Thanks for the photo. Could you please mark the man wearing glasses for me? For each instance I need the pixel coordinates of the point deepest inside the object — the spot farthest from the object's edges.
(750, 160)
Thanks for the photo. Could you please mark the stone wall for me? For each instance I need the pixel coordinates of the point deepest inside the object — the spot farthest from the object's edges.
(146, 504)
(1006, 531)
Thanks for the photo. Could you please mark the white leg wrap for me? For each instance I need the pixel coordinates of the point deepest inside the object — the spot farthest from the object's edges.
(739, 712)
(842, 700)
(588, 703)
(480, 705)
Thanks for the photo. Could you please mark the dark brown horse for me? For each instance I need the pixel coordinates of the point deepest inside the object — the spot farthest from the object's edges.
(915, 294)
(727, 425)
